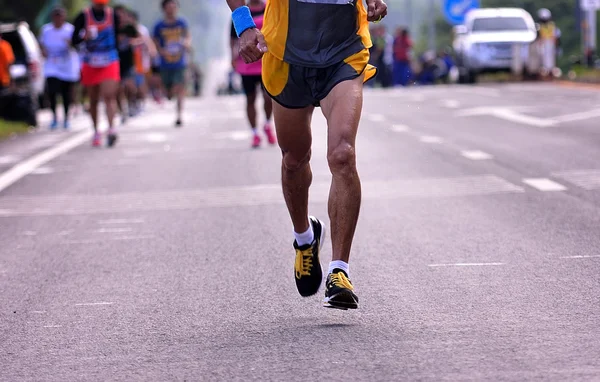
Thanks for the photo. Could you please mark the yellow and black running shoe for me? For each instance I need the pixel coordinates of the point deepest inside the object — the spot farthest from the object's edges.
(307, 268)
(339, 292)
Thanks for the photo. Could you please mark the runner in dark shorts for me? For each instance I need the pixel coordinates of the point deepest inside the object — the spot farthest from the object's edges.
(315, 53)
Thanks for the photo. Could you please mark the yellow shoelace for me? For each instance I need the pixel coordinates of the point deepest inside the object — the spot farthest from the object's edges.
(340, 280)
(304, 263)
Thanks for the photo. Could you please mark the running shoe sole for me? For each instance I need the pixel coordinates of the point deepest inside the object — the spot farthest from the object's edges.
(344, 300)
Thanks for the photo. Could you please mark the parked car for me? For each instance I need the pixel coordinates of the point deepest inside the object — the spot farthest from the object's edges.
(488, 40)
(21, 103)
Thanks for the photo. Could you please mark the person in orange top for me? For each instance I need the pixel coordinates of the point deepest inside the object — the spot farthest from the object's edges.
(7, 58)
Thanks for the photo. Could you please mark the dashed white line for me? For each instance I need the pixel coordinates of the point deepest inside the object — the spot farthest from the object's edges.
(38, 312)
(544, 184)
(451, 103)
(400, 128)
(29, 233)
(581, 257)
(121, 221)
(114, 230)
(376, 117)
(465, 265)
(52, 326)
(118, 238)
(475, 155)
(94, 303)
(430, 139)
(43, 171)
(8, 159)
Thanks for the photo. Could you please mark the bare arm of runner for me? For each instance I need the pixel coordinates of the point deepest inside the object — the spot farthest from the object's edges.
(252, 43)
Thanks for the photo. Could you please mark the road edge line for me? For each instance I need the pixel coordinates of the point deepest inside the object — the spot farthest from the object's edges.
(25, 167)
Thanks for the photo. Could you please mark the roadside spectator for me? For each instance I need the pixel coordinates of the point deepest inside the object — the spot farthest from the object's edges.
(382, 55)
(7, 58)
(402, 72)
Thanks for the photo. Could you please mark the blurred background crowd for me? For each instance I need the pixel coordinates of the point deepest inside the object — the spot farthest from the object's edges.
(421, 42)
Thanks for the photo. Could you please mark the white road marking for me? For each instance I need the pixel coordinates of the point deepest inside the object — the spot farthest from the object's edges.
(114, 230)
(94, 303)
(52, 326)
(586, 179)
(451, 103)
(121, 221)
(430, 139)
(118, 238)
(544, 184)
(400, 128)
(376, 117)
(581, 257)
(27, 166)
(8, 159)
(234, 135)
(508, 115)
(38, 312)
(581, 116)
(155, 137)
(43, 171)
(65, 232)
(29, 233)
(475, 155)
(465, 265)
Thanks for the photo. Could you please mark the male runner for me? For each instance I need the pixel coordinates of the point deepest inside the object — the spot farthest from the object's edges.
(97, 26)
(315, 53)
(129, 35)
(251, 77)
(173, 41)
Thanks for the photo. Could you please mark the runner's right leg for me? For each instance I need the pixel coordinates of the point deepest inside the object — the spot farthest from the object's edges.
(295, 140)
(268, 106)
(251, 108)
(109, 90)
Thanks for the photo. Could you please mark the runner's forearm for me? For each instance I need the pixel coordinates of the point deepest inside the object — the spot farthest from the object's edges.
(235, 4)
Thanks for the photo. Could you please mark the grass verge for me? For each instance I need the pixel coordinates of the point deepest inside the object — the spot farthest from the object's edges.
(7, 128)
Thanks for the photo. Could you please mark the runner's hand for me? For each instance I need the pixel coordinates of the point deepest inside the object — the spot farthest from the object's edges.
(252, 45)
(376, 10)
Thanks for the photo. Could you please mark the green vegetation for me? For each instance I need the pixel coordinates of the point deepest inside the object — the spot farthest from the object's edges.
(8, 129)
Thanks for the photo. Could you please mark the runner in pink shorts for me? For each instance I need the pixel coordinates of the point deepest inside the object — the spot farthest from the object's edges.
(251, 79)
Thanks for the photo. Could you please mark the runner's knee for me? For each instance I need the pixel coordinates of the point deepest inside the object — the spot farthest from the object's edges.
(342, 158)
(295, 162)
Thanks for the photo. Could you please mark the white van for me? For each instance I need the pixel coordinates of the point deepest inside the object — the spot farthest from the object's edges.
(486, 42)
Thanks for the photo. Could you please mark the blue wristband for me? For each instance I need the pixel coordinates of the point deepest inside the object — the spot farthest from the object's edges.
(242, 20)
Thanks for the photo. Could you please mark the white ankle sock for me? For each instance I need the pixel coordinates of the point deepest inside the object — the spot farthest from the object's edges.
(306, 237)
(339, 264)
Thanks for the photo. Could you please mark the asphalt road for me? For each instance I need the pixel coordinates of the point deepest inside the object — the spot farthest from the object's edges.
(169, 257)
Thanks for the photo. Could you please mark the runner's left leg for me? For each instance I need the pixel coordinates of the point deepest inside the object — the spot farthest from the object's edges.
(342, 108)
(109, 90)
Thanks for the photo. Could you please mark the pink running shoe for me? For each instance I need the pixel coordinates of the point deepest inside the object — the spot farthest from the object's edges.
(270, 134)
(256, 141)
(97, 141)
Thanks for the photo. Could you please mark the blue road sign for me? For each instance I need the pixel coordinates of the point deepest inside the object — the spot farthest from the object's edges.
(455, 10)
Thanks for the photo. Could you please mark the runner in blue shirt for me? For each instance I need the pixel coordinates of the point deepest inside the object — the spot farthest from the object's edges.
(173, 40)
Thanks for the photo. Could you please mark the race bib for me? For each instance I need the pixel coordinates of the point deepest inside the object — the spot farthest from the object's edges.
(99, 61)
(174, 48)
(330, 2)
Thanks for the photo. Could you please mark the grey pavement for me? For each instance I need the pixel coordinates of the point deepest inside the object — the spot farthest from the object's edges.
(169, 257)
